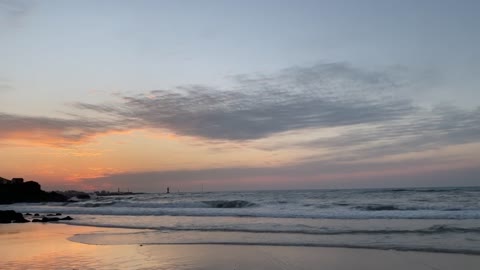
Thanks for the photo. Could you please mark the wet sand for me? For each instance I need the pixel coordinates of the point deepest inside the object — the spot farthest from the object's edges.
(46, 246)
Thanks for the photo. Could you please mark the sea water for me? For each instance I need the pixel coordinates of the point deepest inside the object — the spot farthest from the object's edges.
(421, 219)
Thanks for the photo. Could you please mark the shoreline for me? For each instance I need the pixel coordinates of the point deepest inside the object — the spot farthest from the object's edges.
(47, 246)
(307, 245)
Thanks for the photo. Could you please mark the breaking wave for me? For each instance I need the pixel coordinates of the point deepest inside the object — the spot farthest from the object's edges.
(229, 204)
(403, 219)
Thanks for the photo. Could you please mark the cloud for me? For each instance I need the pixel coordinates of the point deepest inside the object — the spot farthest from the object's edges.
(369, 112)
(5, 85)
(375, 117)
(425, 130)
(324, 95)
(53, 131)
(12, 12)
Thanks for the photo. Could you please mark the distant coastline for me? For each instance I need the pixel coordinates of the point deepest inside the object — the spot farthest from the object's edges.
(114, 193)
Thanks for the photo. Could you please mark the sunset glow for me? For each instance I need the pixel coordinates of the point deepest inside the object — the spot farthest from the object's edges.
(161, 94)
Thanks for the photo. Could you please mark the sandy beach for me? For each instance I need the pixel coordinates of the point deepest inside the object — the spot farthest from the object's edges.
(47, 246)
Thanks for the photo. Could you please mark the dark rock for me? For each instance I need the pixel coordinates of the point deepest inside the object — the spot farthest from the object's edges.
(28, 214)
(58, 214)
(27, 192)
(10, 216)
(52, 219)
(47, 219)
(36, 215)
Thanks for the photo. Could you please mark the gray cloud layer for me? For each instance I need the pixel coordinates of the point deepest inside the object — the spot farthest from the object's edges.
(376, 117)
(379, 120)
(325, 95)
(417, 132)
(5, 85)
(13, 11)
(370, 105)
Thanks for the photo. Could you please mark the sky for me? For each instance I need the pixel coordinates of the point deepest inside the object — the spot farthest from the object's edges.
(240, 95)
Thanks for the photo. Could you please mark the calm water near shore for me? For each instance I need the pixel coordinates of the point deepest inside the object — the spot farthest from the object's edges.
(421, 219)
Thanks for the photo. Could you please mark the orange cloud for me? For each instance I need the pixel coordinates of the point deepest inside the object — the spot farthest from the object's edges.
(56, 132)
(92, 172)
(51, 138)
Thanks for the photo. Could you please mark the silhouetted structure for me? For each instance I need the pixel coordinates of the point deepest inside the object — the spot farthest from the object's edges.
(168, 190)
(109, 193)
(17, 181)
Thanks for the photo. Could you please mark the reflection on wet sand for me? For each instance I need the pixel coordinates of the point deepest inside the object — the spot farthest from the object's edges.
(45, 246)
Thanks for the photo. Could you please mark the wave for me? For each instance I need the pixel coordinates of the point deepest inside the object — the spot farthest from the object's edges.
(336, 204)
(391, 207)
(238, 204)
(136, 204)
(388, 207)
(94, 204)
(435, 229)
(229, 204)
(236, 209)
(378, 208)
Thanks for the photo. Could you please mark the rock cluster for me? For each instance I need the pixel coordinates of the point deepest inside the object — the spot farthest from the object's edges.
(49, 219)
(10, 216)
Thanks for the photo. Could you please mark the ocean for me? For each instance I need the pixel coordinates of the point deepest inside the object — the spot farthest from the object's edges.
(411, 219)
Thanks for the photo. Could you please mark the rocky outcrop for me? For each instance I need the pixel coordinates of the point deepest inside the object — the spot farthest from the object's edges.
(27, 192)
(10, 216)
(49, 219)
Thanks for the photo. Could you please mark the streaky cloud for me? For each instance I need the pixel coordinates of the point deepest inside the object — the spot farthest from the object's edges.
(426, 130)
(5, 85)
(53, 131)
(323, 95)
(376, 119)
(12, 12)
